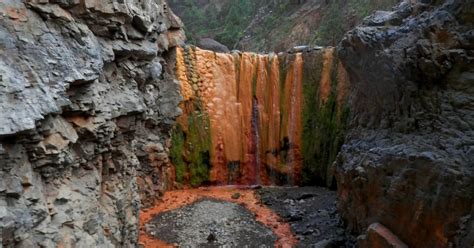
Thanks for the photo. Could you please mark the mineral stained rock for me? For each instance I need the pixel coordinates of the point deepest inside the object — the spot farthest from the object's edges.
(259, 119)
(87, 98)
(408, 160)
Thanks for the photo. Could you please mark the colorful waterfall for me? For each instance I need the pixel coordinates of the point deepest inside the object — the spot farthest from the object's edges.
(258, 119)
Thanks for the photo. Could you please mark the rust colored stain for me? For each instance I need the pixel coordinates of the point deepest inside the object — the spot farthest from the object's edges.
(176, 199)
(342, 87)
(248, 69)
(328, 58)
(291, 119)
(241, 94)
(186, 90)
(270, 116)
(16, 14)
(294, 123)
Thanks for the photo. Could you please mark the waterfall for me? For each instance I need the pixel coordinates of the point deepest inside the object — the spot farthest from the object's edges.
(256, 141)
(294, 130)
(255, 114)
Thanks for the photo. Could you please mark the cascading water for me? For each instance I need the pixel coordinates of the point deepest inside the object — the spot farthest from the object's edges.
(256, 140)
(246, 120)
(294, 123)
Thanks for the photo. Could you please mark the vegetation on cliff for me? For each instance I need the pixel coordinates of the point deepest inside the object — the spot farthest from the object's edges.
(259, 119)
(324, 118)
(224, 21)
(273, 25)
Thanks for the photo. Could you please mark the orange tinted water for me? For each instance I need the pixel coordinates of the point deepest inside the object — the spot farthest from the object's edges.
(242, 93)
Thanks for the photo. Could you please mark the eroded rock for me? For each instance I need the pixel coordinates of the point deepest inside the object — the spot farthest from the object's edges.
(81, 88)
(213, 45)
(407, 160)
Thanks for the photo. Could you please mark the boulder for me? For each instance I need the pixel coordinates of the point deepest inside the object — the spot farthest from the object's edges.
(213, 45)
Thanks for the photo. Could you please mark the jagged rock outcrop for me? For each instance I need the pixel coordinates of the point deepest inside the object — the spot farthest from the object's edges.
(87, 99)
(408, 160)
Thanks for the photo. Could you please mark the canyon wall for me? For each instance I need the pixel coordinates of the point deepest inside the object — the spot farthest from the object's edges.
(273, 25)
(87, 100)
(408, 160)
(259, 119)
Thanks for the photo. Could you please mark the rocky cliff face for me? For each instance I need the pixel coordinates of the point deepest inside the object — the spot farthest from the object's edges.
(88, 99)
(266, 119)
(86, 103)
(408, 161)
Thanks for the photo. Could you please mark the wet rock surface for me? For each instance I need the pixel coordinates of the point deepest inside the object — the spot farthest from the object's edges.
(280, 118)
(311, 213)
(211, 223)
(216, 217)
(176, 200)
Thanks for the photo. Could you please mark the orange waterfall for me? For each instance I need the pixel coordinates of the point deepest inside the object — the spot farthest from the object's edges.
(242, 121)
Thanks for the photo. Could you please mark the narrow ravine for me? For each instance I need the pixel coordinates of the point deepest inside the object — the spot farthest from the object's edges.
(276, 120)
(252, 119)
(116, 131)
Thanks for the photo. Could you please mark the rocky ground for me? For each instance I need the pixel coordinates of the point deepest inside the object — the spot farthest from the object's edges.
(211, 223)
(217, 217)
(311, 213)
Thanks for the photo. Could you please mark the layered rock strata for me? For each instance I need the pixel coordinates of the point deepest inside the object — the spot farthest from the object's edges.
(87, 99)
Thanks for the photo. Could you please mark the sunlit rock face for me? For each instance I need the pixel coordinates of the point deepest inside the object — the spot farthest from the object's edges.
(258, 119)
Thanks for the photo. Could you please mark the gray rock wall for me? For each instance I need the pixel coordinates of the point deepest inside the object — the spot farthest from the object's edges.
(409, 158)
(87, 98)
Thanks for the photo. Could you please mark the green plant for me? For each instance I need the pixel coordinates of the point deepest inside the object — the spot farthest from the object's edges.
(177, 153)
(323, 127)
(190, 148)
(199, 143)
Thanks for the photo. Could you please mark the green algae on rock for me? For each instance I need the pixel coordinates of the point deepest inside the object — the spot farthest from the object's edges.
(259, 119)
